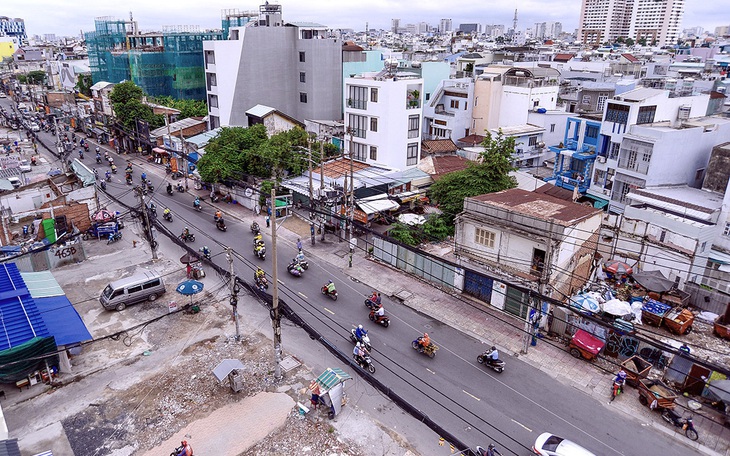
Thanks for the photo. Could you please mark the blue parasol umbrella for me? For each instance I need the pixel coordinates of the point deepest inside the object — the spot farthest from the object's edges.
(189, 287)
(585, 303)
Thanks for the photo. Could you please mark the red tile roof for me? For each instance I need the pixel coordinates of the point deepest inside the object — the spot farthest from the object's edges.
(340, 167)
(630, 58)
(563, 57)
(539, 205)
(445, 164)
(439, 146)
(472, 140)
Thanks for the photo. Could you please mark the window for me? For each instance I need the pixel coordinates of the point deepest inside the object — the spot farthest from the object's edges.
(635, 155)
(412, 154)
(726, 231)
(373, 153)
(602, 97)
(617, 113)
(373, 124)
(302, 97)
(592, 131)
(357, 125)
(374, 95)
(151, 284)
(538, 261)
(213, 101)
(699, 173)
(215, 122)
(613, 150)
(136, 289)
(413, 127)
(359, 151)
(210, 80)
(302, 76)
(552, 128)
(532, 141)
(465, 103)
(302, 56)
(357, 97)
(484, 237)
(209, 58)
(455, 104)
(646, 115)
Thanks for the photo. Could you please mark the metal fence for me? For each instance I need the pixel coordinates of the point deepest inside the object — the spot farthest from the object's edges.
(416, 263)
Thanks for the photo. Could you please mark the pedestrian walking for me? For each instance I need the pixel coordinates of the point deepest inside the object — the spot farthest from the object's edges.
(189, 270)
(268, 221)
(299, 244)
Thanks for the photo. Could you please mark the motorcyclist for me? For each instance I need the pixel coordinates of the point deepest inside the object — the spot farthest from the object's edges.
(196, 203)
(220, 223)
(97, 150)
(300, 257)
(424, 340)
(258, 239)
(294, 265)
(493, 354)
(358, 352)
(180, 187)
(153, 208)
(380, 313)
(169, 188)
(185, 449)
(143, 176)
(360, 332)
(166, 213)
(255, 227)
(114, 168)
(492, 451)
(205, 251)
(81, 154)
(330, 287)
(259, 274)
(620, 378)
(98, 157)
(186, 233)
(218, 215)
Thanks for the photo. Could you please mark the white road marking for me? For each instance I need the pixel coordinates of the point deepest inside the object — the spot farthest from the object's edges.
(520, 424)
(469, 394)
(329, 310)
(434, 373)
(302, 295)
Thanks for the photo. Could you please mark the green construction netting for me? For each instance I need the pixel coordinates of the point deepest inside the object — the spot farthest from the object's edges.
(36, 347)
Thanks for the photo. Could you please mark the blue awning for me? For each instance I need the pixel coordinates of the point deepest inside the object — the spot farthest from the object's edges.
(598, 203)
(62, 320)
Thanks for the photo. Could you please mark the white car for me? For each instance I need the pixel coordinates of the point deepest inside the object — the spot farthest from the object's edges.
(24, 166)
(548, 444)
(35, 127)
(2, 95)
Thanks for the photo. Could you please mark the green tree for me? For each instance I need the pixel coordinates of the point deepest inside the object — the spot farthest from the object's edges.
(84, 83)
(187, 108)
(231, 153)
(490, 174)
(126, 98)
(23, 79)
(405, 234)
(642, 41)
(629, 42)
(37, 77)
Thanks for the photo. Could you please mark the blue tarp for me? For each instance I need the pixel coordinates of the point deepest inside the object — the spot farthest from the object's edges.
(64, 323)
(20, 320)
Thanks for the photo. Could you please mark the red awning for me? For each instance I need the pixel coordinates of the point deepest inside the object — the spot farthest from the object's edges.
(159, 150)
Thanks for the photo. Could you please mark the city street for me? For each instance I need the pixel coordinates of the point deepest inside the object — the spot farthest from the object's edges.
(476, 405)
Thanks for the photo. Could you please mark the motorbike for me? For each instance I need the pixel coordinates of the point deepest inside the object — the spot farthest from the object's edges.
(365, 362)
(294, 269)
(153, 210)
(261, 283)
(169, 191)
(303, 263)
(198, 207)
(482, 452)
(496, 364)
(370, 304)
(188, 238)
(114, 237)
(167, 216)
(108, 177)
(260, 251)
(177, 451)
(114, 169)
(221, 225)
(326, 292)
(365, 340)
(103, 185)
(677, 421)
(98, 159)
(206, 254)
(129, 181)
(384, 320)
(255, 228)
(429, 350)
(149, 185)
(180, 188)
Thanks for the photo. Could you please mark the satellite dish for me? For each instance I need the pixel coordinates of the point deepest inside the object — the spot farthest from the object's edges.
(248, 192)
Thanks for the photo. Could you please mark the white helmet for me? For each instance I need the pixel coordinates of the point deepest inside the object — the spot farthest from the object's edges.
(359, 326)
(358, 345)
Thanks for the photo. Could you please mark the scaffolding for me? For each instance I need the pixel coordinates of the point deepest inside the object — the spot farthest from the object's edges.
(167, 63)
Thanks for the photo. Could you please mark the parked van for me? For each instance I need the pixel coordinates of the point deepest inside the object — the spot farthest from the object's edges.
(121, 293)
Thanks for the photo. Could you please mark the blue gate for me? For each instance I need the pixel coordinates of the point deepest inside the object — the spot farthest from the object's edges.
(478, 286)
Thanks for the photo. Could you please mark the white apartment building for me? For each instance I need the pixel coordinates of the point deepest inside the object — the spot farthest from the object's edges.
(445, 26)
(295, 68)
(654, 20)
(447, 114)
(649, 139)
(383, 114)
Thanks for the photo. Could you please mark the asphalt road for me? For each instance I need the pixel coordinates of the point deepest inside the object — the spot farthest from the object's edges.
(475, 404)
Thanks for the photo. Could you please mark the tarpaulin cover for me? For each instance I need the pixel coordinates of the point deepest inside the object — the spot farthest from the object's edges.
(653, 281)
(617, 307)
(21, 356)
(329, 378)
(587, 342)
(62, 320)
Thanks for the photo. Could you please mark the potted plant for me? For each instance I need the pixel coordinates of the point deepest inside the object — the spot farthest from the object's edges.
(413, 98)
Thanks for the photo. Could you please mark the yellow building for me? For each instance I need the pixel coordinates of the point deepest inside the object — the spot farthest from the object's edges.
(7, 47)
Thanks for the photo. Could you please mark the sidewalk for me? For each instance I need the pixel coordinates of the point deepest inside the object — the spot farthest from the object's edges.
(483, 323)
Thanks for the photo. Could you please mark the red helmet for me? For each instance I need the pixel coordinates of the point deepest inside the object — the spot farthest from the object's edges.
(184, 442)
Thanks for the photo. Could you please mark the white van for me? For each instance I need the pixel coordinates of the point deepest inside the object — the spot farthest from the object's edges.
(121, 293)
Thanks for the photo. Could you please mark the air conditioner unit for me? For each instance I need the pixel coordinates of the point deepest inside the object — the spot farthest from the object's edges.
(601, 159)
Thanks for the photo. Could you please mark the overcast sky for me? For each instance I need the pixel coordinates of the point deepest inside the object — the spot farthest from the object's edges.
(66, 18)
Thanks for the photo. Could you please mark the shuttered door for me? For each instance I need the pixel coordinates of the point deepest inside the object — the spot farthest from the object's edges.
(478, 286)
(516, 302)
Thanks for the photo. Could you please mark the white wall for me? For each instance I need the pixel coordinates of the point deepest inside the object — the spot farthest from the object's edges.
(227, 59)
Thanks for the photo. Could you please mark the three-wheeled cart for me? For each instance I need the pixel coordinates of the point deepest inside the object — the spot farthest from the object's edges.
(656, 390)
(679, 320)
(328, 390)
(585, 345)
(636, 368)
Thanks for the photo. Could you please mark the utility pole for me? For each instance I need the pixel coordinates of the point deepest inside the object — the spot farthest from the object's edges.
(311, 190)
(275, 317)
(148, 225)
(351, 206)
(321, 183)
(234, 291)
(528, 324)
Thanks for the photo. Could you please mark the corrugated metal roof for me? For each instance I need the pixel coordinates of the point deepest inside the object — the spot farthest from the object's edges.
(176, 126)
(20, 320)
(41, 284)
(204, 138)
(639, 94)
(260, 111)
(539, 205)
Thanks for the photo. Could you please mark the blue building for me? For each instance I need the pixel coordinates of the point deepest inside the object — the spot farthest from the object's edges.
(575, 155)
(14, 28)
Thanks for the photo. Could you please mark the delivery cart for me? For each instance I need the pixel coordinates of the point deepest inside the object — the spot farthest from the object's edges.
(679, 320)
(656, 390)
(636, 368)
(585, 345)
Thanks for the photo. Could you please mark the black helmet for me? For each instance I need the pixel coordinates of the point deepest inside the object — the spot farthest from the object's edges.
(493, 348)
(491, 446)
